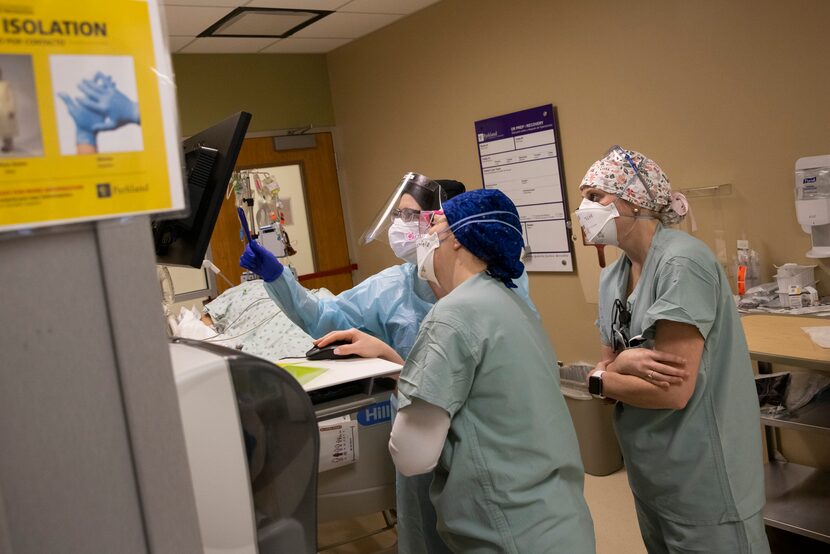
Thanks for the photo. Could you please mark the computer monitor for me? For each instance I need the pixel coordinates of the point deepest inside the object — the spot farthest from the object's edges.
(210, 157)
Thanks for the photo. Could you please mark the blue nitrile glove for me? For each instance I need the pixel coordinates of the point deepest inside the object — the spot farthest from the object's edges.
(261, 261)
(103, 97)
(86, 120)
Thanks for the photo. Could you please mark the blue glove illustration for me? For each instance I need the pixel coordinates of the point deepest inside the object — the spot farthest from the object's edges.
(261, 261)
(103, 97)
(86, 121)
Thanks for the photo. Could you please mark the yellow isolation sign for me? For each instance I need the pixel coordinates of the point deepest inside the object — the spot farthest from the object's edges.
(88, 123)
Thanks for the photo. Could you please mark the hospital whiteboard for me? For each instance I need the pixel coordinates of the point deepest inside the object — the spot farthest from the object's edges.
(519, 154)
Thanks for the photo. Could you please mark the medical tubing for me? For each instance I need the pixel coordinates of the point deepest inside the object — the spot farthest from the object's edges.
(245, 309)
(254, 328)
(228, 281)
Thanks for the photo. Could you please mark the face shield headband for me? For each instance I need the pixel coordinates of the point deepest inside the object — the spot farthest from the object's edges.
(424, 190)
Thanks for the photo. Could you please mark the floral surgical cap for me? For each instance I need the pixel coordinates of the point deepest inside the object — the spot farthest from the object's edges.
(615, 175)
(487, 224)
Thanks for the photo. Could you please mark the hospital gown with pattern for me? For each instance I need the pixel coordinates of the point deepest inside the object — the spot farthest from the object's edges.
(389, 305)
(247, 307)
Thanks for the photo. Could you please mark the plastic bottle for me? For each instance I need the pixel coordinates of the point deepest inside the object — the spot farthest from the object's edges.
(749, 267)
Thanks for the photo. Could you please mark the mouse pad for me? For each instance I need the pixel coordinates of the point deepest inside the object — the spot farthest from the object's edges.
(303, 373)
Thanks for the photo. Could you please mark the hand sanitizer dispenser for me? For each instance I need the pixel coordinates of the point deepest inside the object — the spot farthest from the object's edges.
(812, 202)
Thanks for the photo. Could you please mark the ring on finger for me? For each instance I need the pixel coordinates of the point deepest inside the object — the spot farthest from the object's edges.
(650, 375)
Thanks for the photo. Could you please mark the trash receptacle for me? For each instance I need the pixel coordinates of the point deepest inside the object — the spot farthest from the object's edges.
(592, 419)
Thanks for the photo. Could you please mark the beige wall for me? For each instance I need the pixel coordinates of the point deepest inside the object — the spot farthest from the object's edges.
(716, 91)
(281, 91)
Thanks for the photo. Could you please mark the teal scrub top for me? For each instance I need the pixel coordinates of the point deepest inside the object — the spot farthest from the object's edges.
(701, 465)
(389, 305)
(510, 477)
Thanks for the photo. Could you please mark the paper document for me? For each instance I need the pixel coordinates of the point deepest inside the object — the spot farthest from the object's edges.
(339, 445)
(519, 156)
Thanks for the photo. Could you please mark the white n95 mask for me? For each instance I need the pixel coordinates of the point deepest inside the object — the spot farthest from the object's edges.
(427, 245)
(402, 239)
(598, 222)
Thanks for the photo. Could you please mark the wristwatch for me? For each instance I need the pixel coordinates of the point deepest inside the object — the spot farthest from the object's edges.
(595, 384)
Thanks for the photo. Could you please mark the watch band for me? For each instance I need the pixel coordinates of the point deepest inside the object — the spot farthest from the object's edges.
(595, 384)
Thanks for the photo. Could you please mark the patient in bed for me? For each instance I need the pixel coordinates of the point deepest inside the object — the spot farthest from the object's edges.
(244, 317)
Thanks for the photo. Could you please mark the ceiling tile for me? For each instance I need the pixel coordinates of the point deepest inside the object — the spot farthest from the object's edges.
(346, 25)
(214, 3)
(190, 20)
(177, 43)
(224, 45)
(264, 23)
(330, 5)
(294, 45)
(404, 7)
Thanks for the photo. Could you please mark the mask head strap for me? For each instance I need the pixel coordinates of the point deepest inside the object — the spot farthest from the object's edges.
(620, 154)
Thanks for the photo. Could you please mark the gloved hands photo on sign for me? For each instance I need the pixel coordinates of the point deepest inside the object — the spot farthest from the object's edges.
(258, 259)
(102, 107)
(87, 121)
(102, 96)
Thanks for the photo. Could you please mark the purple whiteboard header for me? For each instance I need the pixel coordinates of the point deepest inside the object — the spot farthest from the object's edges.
(515, 124)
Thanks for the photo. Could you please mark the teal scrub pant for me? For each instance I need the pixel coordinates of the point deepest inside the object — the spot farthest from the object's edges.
(662, 536)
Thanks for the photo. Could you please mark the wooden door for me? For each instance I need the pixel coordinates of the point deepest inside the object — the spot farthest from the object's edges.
(325, 213)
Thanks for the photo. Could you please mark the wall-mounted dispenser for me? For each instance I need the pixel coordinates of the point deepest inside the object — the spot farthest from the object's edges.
(812, 202)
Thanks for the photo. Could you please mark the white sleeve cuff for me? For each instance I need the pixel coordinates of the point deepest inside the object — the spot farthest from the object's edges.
(418, 436)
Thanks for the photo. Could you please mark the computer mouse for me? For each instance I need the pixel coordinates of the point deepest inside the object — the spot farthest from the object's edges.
(327, 352)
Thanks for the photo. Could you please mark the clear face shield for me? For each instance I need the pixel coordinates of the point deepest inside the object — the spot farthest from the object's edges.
(427, 195)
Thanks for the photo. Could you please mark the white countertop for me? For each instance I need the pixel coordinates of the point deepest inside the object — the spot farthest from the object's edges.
(343, 371)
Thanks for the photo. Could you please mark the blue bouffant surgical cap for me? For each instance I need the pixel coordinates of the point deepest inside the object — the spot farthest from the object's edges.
(487, 224)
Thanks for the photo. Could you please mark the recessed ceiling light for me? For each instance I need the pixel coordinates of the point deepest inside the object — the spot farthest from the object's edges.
(263, 22)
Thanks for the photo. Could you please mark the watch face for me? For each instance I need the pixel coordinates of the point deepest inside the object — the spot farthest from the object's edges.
(595, 385)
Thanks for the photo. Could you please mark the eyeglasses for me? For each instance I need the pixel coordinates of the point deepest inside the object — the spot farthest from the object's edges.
(620, 328)
(621, 155)
(620, 320)
(408, 215)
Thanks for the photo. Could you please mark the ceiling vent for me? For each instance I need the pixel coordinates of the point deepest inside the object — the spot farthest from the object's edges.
(263, 22)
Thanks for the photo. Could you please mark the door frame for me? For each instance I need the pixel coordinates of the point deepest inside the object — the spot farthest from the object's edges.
(329, 263)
